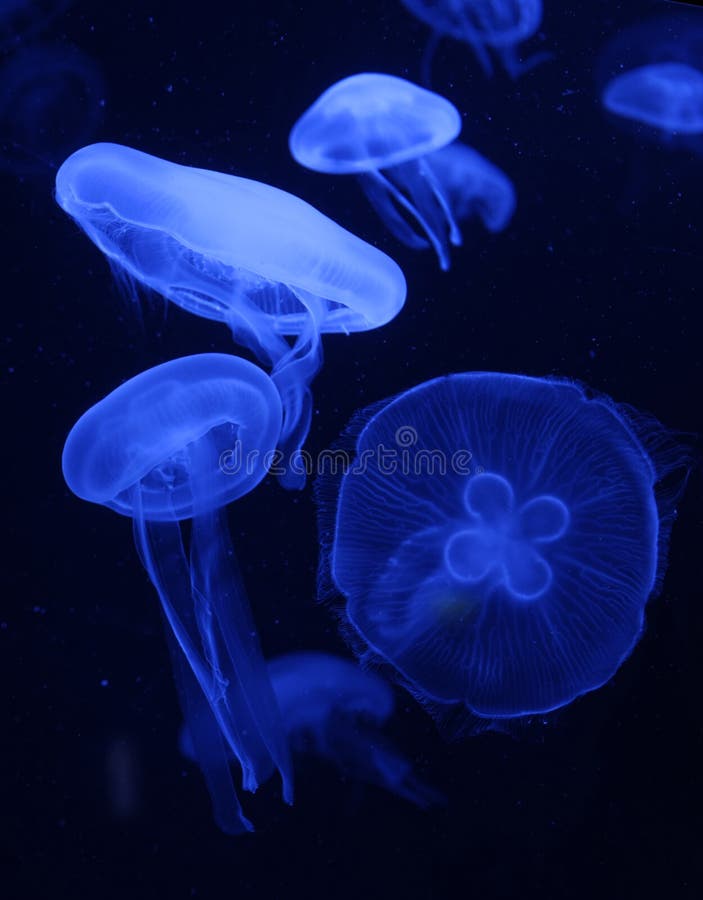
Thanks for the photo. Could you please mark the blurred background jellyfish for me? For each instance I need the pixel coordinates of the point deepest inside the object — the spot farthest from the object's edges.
(237, 251)
(486, 25)
(650, 74)
(381, 129)
(668, 96)
(22, 20)
(334, 711)
(152, 450)
(51, 102)
(499, 555)
(473, 186)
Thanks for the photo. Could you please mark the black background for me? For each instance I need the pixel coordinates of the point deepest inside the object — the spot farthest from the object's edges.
(597, 278)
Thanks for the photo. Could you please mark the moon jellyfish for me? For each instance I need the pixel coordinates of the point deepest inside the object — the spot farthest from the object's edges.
(334, 711)
(51, 101)
(497, 25)
(651, 74)
(498, 538)
(473, 186)
(236, 251)
(151, 450)
(668, 96)
(381, 129)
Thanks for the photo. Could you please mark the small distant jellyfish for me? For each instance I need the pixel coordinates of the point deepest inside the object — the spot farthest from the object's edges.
(473, 186)
(334, 711)
(497, 25)
(51, 102)
(152, 450)
(21, 20)
(237, 251)
(668, 96)
(499, 553)
(382, 129)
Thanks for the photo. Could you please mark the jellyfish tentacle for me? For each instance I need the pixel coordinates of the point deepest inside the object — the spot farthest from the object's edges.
(292, 376)
(160, 549)
(380, 195)
(441, 197)
(405, 186)
(209, 749)
(231, 632)
(428, 55)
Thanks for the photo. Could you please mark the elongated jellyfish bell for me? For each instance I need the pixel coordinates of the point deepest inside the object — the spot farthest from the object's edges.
(668, 96)
(381, 129)
(152, 450)
(237, 251)
(500, 542)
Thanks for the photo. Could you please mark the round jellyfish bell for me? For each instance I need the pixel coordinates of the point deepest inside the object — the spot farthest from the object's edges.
(51, 101)
(152, 450)
(381, 129)
(500, 541)
(498, 25)
(668, 96)
(334, 711)
(473, 186)
(236, 251)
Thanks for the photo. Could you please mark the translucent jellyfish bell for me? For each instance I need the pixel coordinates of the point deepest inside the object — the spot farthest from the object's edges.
(334, 711)
(668, 96)
(499, 552)
(381, 129)
(153, 450)
(237, 251)
(473, 186)
(498, 25)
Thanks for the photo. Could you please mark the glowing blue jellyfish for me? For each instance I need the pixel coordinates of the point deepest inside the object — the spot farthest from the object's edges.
(473, 186)
(668, 96)
(333, 710)
(498, 539)
(237, 251)
(51, 101)
(152, 450)
(498, 25)
(382, 128)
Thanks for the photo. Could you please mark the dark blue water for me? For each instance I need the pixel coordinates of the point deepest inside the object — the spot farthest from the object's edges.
(597, 278)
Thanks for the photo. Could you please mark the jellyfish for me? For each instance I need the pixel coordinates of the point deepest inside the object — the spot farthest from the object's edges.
(334, 711)
(381, 129)
(236, 251)
(650, 74)
(668, 96)
(51, 101)
(473, 186)
(21, 20)
(497, 539)
(498, 25)
(152, 450)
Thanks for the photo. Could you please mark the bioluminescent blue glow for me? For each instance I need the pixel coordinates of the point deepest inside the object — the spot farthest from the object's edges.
(333, 710)
(51, 101)
(152, 450)
(668, 96)
(237, 251)
(381, 128)
(473, 186)
(497, 25)
(500, 541)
